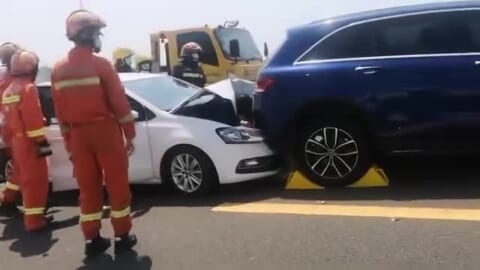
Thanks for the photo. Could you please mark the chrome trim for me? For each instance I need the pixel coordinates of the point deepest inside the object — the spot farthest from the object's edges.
(298, 61)
(366, 68)
(386, 57)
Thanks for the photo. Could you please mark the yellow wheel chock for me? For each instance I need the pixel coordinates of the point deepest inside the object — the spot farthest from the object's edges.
(375, 177)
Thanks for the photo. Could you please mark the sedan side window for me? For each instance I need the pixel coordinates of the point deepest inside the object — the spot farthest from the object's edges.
(144, 114)
(46, 101)
(48, 109)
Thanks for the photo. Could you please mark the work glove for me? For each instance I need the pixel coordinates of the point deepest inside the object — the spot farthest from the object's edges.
(44, 149)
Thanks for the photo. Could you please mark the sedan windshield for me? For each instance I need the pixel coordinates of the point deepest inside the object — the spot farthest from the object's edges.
(163, 92)
(248, 48)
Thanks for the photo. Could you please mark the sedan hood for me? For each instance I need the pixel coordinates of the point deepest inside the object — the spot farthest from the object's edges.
(232, 88)
(219, 102)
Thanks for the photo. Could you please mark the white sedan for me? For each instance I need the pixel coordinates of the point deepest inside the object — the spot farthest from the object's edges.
(188, 137)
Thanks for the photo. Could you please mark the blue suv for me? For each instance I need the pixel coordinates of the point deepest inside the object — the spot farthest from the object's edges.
(342, 92)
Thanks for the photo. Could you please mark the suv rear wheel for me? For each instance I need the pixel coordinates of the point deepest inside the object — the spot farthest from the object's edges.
(333, 153)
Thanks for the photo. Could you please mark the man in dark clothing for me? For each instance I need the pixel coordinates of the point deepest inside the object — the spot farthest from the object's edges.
(189, 68)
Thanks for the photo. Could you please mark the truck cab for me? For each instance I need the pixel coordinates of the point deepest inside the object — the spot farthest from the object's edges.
(227, 50)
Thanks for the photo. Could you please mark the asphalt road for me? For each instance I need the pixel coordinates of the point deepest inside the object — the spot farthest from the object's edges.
(202, 233)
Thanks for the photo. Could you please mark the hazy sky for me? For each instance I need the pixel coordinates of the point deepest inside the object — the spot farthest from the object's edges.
(39, 24)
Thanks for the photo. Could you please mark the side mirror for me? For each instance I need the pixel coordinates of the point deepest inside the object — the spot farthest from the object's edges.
(135, 114)
(265, 50)
(234, 48)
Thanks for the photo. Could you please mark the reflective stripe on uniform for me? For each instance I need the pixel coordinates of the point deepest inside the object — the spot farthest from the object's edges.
(34, 211)
(35, 133)
(91, 217)
(11, 99)
(95, 80)
(11, 186)
(120, 214)
(192, 75)
(127, 118)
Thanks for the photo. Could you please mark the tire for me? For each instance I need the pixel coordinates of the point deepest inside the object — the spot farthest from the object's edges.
(337, 161)
(5, 168)
(201, 168)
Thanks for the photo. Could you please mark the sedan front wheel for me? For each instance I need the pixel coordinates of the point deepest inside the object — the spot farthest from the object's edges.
(189, 170)
(6, 169)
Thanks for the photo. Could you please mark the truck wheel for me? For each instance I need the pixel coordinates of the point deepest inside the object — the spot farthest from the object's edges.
(333, 153)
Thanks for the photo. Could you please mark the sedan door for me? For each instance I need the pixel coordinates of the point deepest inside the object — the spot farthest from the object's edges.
(59, 166)
(141, 168)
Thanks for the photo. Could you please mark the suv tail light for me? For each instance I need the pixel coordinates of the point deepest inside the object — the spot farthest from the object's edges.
(263, 84)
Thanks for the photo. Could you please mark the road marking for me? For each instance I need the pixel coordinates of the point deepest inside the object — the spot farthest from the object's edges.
(352, 211)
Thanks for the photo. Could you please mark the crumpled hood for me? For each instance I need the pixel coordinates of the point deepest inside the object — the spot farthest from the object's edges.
(232, 88)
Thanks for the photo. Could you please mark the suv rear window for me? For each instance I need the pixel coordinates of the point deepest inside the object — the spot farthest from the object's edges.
(447, 32)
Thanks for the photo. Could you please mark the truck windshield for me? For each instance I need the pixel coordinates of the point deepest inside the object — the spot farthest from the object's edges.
(248, 48)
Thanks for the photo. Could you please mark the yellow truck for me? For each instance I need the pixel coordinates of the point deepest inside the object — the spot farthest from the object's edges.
(227, 50)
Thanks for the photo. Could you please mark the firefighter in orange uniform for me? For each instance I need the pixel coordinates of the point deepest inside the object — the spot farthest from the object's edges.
(98, 128)
(24, 123)
(10, 193)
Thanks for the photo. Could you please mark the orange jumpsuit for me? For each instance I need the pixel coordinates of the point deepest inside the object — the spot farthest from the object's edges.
(25, 125)
(95, 115)
(12, 187)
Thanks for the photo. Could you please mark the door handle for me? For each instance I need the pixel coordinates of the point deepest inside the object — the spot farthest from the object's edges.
(477, 63)
(368, 69)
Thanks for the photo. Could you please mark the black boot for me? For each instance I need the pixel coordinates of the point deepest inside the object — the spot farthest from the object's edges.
(9, 210)
(97, 246)
(125, 243)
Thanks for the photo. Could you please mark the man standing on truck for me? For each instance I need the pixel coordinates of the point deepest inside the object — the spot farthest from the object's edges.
(99, 128)
(189, 68)
(9, 195)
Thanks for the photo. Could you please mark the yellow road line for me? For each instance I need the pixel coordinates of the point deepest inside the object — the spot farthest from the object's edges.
(352, 211)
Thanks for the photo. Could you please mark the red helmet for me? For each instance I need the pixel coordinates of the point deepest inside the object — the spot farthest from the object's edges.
(7, 49)
(80, 20)
(24, 63)
(190, 48)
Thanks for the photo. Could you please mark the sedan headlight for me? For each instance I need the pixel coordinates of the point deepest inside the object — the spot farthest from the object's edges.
(239, 135)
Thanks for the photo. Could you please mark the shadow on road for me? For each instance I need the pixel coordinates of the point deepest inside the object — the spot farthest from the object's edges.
(32, 244)
(127, 261)
(410, 179)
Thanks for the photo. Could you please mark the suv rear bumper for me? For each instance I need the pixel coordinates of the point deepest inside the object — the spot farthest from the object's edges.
(263, 122)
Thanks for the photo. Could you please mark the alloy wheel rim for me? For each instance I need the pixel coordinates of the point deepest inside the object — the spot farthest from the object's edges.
(186, 173)
(8, 170)
(331, 153)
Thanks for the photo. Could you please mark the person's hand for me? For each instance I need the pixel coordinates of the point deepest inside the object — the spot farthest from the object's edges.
(130, 147)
